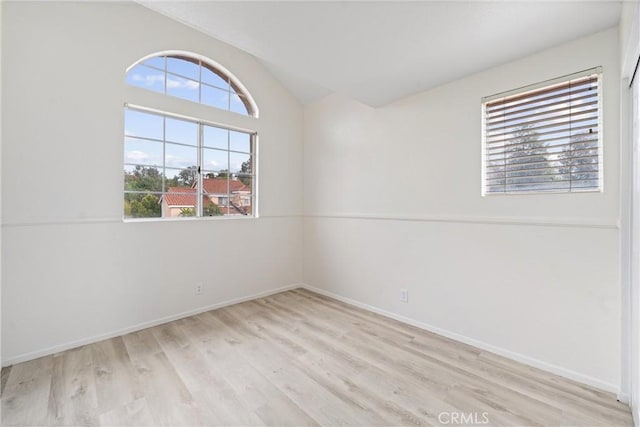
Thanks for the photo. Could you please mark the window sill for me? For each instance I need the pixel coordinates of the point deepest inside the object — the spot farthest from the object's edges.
(191, 219)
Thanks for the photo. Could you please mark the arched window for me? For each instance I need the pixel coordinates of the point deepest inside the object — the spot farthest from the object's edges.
(194, 78)
(178, 166)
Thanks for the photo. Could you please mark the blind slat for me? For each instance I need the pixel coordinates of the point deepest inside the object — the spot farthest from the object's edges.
(586, 100)
(564, 187)
(560, 170)
(555, 90)
(583, 143)
(566, 112)
(538, 151)
(533, 130)
(514, 108)
(551, 132)
(556, 138)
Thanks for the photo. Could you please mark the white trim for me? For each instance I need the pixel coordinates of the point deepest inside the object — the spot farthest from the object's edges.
(465, 219)
(631, 52)
(96, 338)
(120, 220)
(626, 264)
(158, 112)
(554, 369)
(61, 221)
(623, 397)
(542, 221)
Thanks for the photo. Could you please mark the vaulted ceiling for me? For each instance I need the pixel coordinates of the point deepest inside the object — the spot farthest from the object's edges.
(378, 52)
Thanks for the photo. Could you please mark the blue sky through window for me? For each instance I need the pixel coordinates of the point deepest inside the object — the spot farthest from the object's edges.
(153, 140)
(187, 80)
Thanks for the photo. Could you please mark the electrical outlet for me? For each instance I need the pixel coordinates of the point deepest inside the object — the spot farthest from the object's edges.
(198, 288)
(404, 295)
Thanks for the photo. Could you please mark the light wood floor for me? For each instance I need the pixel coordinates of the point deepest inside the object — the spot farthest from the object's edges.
(292, 359)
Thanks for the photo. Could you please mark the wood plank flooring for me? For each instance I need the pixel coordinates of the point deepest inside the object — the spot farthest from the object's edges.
(293, 359)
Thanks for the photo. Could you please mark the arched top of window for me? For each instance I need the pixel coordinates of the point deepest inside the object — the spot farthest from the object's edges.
(192, 77)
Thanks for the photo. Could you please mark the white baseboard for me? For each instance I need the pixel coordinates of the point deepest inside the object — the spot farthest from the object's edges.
(96, 338)
(576, 376)
(558, 370)
(623, 397)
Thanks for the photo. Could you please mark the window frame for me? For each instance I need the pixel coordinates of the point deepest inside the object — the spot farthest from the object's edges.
(201, 61)
(200, 123)
(203, 115)
(558, 81)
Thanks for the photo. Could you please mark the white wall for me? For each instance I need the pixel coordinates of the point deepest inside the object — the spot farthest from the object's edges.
(0, 176)
(73, 270)
(393, 200)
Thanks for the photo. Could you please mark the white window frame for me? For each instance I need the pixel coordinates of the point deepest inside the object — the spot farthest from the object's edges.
(165, 105)
(202, 61)
(200, 147)
(530, 88)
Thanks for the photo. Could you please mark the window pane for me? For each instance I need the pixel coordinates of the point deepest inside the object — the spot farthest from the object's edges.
(213, 79)
(215, 97)
(182, 88)
(247, 185)
(237, 105)
(145, 205)
(179, 156)
(142, 178)
(215, 137)
(184, 68)
(240, 200)
(143, 125)
(156, 61)
(214, 160)
(179, 201)
(243, 204)
(181, 131)
(185, 77)
(209, 206)
(147, 78)
(239, 163)
(240, 141)
(142, 152)
(171, 176)
(180, 178)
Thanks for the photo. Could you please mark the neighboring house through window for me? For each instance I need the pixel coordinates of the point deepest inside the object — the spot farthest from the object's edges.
(176, 165)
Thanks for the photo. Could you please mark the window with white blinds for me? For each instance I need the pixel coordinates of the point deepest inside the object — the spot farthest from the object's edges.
(545, 137)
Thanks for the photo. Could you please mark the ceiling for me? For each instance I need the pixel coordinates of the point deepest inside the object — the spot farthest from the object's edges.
(378, 52)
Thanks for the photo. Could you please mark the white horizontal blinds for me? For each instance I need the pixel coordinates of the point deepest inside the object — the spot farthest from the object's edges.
(545, 139)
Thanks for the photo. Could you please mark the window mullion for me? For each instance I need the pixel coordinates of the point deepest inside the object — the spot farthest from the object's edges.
(165, 75)
(228, 171)
(199, 81)
(164, 153)
(199, 184)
